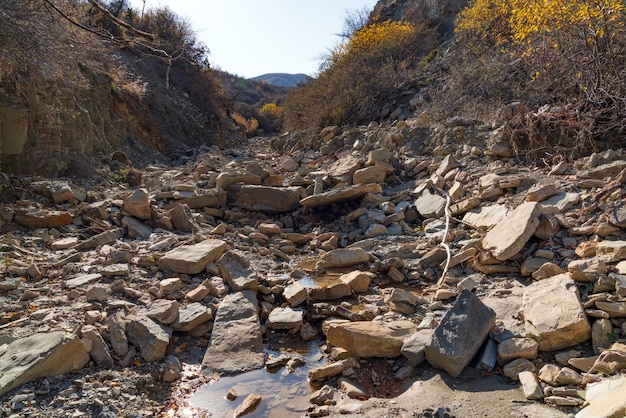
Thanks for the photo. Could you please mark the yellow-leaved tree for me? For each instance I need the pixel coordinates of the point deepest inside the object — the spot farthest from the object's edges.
(572, 53)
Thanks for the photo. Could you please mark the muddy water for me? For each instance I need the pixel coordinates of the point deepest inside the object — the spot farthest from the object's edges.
(284, 394)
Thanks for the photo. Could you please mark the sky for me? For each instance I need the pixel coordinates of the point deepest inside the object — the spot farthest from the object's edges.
(255, 37)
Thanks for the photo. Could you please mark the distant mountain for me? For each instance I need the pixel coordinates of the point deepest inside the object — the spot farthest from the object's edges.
(283, 79)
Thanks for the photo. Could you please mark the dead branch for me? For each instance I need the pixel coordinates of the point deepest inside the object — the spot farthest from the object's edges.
(119, 22)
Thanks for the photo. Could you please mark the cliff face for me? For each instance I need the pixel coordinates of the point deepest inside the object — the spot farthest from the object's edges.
(94, 109)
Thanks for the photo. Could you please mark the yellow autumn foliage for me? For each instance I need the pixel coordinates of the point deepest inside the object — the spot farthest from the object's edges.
(271, 111)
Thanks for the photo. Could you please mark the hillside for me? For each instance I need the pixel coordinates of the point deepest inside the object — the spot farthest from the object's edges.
(283, 79)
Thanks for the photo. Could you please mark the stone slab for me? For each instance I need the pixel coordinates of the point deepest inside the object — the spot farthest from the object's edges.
(192, 259)
(509, 236)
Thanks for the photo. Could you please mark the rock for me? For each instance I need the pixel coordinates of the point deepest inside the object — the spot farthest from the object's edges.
(460, 334)
(559, 203)
(248, 405)
(509, 236)
(173, 369)
(611, 251)
(237, 272)
(182, 218)
(567, 376)
(370, 338)
(50, 354)
(376, 173)
(430, 205)
(611, 169)
(330, 291)
(135, 229)
(342, 170)
(618, 215)
(213, 198)
(614, 309)
(192, 259)
(163, 311)
(285, 318)
(295, 294)
(138, 204)
(601, 333)
(343, 257)
(547, 270)
(103, 238)
(541, 192)
(191, 316)
(414, 346)
(352, 389)
(341, 195)
(375, 230)
(548, 374)
(358, 281)
(266, 198)
(64, 243)
(587, 270)
(117, 333)
(332, 369)
(517, 348)
(43, 219)
(58, 191)
(236, 343)
(514, 368)
(118, 269)
(606, 399)
(149, 337)
(99, 351)
(565, 324)
(226, 179)
(530, 386)
(486, 216)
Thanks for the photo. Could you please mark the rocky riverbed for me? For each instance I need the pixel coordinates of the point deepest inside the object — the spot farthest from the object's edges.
(437, 275)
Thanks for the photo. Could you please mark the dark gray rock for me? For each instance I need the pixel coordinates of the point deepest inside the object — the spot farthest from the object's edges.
(460, 334)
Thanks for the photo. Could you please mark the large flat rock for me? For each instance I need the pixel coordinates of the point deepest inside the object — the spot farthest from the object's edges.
(341, 195)
(509, 236)
(236, 344)
(265, 198)
(40, 355)
(192, 259)
(564, 324)
(460, 334)
(371, 338)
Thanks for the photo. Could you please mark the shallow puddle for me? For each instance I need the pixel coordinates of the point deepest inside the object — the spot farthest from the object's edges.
(284, 394)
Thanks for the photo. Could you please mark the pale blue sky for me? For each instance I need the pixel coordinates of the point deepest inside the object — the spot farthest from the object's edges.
(255, 37)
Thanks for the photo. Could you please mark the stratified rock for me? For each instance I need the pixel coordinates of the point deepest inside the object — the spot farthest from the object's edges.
(192, 259)
(614, 309)
(248, 405)
(358, 281)
(40, 355)
(530, 386)
(332, 369)
(344, 257)
(135, 229)
(43, 219)
(414, 347)
(149, 337)
(191, 316)
(266, 198)
(117, 333)
(341, 195)
(138, 204)
(509, 236)
(182, 218)
(342, 170)
(517, 348)
(601, 332)
(236, 343)
(517, 366)
(164, 311)
(225, 180)
(376, 173)
(295, 294)
(430, 205)
(330, 291)
(460, 334)
(237, 272)
(565, 323)
(587, 270)
(99, 351)
(103, 238)
(606, 399)
(618, 215)
(486, 216)
(285, 318)
(58, 191)
(370, 338)
(213, 198)
(611, 251)
(611, 169)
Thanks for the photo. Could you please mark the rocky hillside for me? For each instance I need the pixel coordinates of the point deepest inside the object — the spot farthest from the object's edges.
(375, 242)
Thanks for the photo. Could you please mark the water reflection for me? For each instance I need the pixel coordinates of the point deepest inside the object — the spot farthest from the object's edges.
(284, 393)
